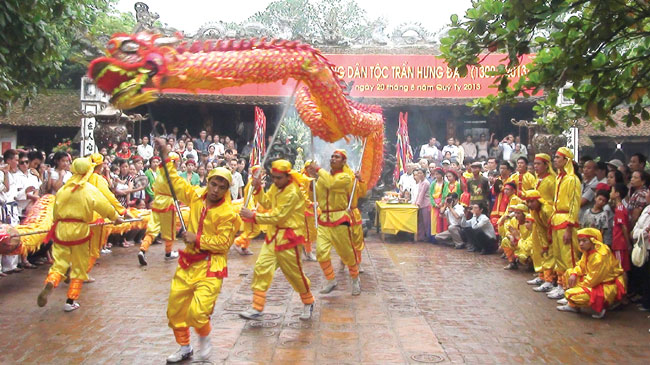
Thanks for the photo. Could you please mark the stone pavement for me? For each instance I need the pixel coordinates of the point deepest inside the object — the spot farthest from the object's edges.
(420, 304)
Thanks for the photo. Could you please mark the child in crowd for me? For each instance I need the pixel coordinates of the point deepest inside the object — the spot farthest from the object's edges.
(599, 217)
(621, 227)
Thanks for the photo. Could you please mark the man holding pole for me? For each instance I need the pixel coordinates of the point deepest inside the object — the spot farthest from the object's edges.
(332, 192)
(203, 264)
(251, 229)
(285, 233)
(74, 208)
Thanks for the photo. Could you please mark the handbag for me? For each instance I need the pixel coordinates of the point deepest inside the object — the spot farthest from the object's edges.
(640, 252)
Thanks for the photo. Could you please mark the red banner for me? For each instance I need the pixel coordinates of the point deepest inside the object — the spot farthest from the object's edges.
(397, 76)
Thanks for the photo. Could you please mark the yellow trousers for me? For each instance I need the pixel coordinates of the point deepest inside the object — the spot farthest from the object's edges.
(74, 258)
(357, 240)
(578, 296)
(289, 262)
(339, 237)
(97, 240)
(163, 223)
(311, 233)
(192, 298)
(508, 249)
(566, 255)
(251, 230)
(148, 240)
(541, 252)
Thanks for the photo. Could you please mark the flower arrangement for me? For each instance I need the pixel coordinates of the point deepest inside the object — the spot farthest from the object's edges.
(64, 146)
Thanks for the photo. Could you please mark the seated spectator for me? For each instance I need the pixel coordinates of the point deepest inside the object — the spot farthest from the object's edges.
(478, 231)
(597, 279)
(455, 214)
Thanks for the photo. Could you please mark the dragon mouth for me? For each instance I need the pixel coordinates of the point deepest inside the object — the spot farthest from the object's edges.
(124, 85)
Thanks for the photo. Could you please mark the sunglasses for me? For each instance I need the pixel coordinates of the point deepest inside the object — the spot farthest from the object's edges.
(23, 162)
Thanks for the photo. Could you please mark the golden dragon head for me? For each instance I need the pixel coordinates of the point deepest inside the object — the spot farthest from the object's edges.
(132, 62)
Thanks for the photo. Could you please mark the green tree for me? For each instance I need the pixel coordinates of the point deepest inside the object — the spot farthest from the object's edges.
(37, 37)
(599, 51)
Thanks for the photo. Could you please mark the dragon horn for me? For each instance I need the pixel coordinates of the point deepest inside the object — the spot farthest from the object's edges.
(165, 41)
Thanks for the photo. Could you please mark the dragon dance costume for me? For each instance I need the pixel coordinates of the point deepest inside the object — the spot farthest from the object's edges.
(74, 209)
(285, 234)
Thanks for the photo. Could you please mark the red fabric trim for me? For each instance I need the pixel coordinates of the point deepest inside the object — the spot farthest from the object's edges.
(302, 274)
(221, 274)
(335, 223)
(294, 240)
(186, 259)
(168, 209)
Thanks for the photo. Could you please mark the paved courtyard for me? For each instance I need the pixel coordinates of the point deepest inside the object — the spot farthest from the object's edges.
(420, 304)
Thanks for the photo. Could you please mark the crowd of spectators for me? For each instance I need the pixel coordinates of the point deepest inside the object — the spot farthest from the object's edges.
(485, 197)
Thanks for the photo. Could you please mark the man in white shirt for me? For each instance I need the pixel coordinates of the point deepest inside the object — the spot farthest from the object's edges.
(236, 188)
(455, 214)
(479, 232)
(145, 150)
(451, 148)
(522, 148)
(590, 180)
(430, 152)
(10, 213)
(507, 145)
(190, 152)
(407, 181)
(470, 148)
(28, 185)
(218, 146)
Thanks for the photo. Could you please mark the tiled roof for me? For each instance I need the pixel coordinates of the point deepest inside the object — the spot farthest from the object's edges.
(619, 130)
(51, 108)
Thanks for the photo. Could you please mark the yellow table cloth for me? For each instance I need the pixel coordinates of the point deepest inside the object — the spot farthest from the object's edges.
(394, 218)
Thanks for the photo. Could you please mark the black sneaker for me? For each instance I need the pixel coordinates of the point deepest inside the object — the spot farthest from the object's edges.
(142, 258)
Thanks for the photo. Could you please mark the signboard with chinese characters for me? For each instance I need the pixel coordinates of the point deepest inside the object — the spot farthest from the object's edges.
(93, 101)
(395, 76)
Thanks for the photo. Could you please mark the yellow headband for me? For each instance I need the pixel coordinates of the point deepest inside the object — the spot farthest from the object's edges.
(97, 159)
(342, 152)
(543, 157)
(591, 233)
(281, 166)
(563, 151)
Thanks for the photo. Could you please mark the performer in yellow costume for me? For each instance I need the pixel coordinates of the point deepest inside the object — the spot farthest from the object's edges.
(285, 234)
(541, 251)
(510, 193)
(524, 179)
(74, 208)
(163, 216)
(515, 231)
(310, 216)
(100, 233)
(202, 265)
(356, 226)
(332, 192)
(597, 279)
(250, 229)
(545, 175)
(564, 223)
(525, 245)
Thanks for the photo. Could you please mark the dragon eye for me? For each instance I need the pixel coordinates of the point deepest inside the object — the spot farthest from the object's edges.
(129, 47)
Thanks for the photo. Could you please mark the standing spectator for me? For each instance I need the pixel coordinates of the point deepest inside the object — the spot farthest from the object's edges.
(523, 147)
(218, 146)
(422, 200)
(28, 185)
(124, 151)
(482, 147)
(407, 181)
(461, 153)
(601, 172)
(621, 228)
(241, 168)
(202, 175)
(614, 177)
(138, 164)
(495, 151)
(145, 150)
(637, 162)
(11, 185)
(212, 153)
(430, 152)
(246, 151)
(451, 148)
(190, 152)
(60, 173)
(201, 143)
(507, 146)
(189, 175)
(478, 186)
(491, 166)
(432, 168)
(589, 182)
(151, 173)
(470, 148)
(640, 232)
(236, 188)
(639, 188)
(517, 153)
(597, 217)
